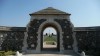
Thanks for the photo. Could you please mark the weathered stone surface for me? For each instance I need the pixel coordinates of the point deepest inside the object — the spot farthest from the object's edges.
(67, 32)
(32, 33)
(11, 40)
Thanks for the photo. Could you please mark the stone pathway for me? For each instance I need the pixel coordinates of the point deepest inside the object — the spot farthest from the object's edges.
(51, 53)
(49, 46)
(46, 55)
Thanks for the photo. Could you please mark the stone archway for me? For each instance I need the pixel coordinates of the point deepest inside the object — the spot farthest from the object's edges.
(57, 38)
(45, 18)
(58, 42)
(50, 39)
(57, 27)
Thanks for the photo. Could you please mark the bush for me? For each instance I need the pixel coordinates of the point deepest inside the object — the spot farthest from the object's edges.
(3, 53)
(10, 53)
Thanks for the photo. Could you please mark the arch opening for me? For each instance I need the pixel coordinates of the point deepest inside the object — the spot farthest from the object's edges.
(50, 41)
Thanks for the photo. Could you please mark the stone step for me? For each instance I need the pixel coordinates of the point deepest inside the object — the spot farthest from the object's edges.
(54, 53)
(48, 55)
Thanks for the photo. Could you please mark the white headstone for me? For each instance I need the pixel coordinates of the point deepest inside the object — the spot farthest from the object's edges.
(18, 54)
(82, 53)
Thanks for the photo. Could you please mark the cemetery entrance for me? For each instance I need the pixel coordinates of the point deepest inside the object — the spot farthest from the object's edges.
(49, 17)
(50, 41)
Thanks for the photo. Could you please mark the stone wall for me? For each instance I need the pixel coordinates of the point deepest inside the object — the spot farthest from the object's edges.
(32, 33)
(11, 39)
(88, 39)
(67, 33)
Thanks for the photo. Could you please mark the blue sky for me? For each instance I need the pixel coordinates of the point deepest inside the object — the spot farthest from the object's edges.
(49, 30)
(83, 12)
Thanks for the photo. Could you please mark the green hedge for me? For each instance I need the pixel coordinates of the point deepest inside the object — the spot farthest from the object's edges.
(3, 53)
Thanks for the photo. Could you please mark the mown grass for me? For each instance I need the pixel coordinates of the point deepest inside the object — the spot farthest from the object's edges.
(50, 40)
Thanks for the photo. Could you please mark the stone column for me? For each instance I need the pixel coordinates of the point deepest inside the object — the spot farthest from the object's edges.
(38, 49)
(24, 48)
(75, 48)
(0, 48)
(61, 43)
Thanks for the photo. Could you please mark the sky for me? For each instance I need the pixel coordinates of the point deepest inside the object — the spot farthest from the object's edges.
(49, 30)
(84, 13)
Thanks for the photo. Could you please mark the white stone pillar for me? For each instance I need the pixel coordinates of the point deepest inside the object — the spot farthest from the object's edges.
(75, 48)
(38, 49)
(24, 48)
(82, 54)
(61, 43)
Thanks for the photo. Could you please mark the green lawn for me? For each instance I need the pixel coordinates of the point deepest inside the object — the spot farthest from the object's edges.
(50, 40)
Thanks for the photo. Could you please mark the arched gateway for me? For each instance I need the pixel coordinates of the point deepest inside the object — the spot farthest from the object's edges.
(49, 17)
